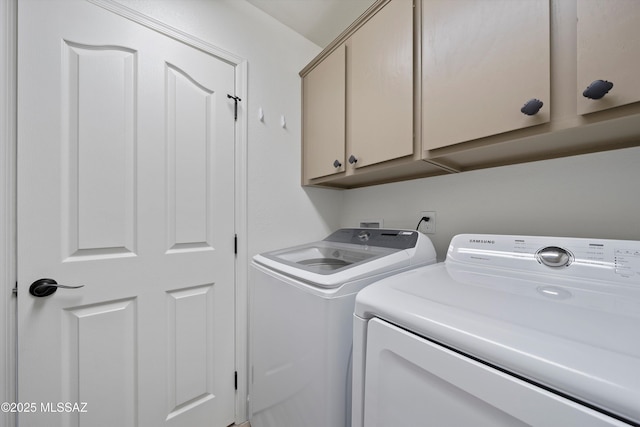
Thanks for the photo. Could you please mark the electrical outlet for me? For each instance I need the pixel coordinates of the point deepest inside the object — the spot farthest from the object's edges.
(428, 227)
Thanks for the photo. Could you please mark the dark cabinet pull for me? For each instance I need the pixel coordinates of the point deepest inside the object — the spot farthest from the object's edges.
(597, 89)
(532, 107)
(336, 164)
(353, 159)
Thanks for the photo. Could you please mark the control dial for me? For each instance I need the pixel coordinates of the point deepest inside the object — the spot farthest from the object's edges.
(364, 236)
(554, 256)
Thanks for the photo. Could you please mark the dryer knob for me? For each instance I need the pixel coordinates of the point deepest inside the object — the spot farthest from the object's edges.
(553, 256)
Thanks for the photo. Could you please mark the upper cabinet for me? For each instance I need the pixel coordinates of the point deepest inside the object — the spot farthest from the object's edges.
(418, 88)
(608, 54)
(359, 103)
(485, 68)
(323, 117)
(380, 87)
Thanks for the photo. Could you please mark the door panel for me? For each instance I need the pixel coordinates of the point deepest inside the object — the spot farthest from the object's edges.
(409, 378)
(125, 185)
(98, 106)
(323, 116)
(608, 43)
(380, 86)
(188, 109)
(107, 359)
(482, 61)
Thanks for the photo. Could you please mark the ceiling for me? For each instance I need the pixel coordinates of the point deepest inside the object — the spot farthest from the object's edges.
(320, 21)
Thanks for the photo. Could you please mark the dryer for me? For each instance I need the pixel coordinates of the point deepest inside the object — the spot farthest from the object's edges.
(301, 308)
(508, 331)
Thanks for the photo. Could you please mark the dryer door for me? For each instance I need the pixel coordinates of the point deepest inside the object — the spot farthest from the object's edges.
(412, 381)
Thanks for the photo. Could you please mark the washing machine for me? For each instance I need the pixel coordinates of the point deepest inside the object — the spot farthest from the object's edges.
(507, 331)
(301, 302)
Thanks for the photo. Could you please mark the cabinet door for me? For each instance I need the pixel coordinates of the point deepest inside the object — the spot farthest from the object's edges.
(481, 62)
(323, 120)
(380, 86)
(609, 50)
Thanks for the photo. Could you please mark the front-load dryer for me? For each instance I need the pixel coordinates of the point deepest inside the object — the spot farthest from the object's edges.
(508, 331)
(301, 307)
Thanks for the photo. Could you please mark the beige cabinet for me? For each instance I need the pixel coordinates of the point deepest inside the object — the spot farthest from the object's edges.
(358, 103)
(458, 75)
(380, 87)
(608, 43)
(323, 117)
(592, 40)
(482, 61)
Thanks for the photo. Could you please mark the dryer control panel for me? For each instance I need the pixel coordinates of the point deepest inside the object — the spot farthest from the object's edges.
(611, 260)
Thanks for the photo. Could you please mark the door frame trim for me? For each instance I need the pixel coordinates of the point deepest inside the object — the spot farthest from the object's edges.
(8, 184)
(8, 225)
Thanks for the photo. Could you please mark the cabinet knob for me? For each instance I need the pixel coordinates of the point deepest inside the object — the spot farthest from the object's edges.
(353, 159)
(531, 107)
(336, 164)
(597, 89)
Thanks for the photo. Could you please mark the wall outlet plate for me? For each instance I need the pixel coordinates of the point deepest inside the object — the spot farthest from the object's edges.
(428, 227)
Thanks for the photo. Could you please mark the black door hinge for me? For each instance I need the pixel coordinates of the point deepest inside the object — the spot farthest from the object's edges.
(15, 290)
(235, 106)
(235, 380)
(235, 244)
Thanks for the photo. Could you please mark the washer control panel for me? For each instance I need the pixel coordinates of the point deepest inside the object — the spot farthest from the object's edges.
(393, 239)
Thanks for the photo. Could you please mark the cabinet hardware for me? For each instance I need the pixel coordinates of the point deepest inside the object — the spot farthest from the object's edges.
(597, 89)
(531, 107)
(353, 159)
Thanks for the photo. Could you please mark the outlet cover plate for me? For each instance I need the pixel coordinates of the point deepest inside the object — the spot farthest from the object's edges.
(428, 227)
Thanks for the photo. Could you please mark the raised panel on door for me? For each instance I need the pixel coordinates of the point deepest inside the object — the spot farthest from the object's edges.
(99, 348)
(323, 117)
(481, 62)
(380, 86)
(99, 147)
(608, 50)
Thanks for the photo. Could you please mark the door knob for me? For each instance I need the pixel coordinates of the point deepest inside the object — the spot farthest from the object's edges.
(46, 287)
(353, 159)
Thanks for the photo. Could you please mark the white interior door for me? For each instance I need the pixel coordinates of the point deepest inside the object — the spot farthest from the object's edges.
(125, 186)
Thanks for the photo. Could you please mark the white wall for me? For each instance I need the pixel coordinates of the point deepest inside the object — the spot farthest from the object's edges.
(280, 212)
(593, 195)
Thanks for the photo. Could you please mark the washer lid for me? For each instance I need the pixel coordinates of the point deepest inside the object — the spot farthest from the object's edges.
(349, 254)
(573, 326)
(330, 265)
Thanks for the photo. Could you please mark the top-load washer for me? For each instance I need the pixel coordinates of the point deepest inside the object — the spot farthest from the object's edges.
(301, 307)
(508, 331)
